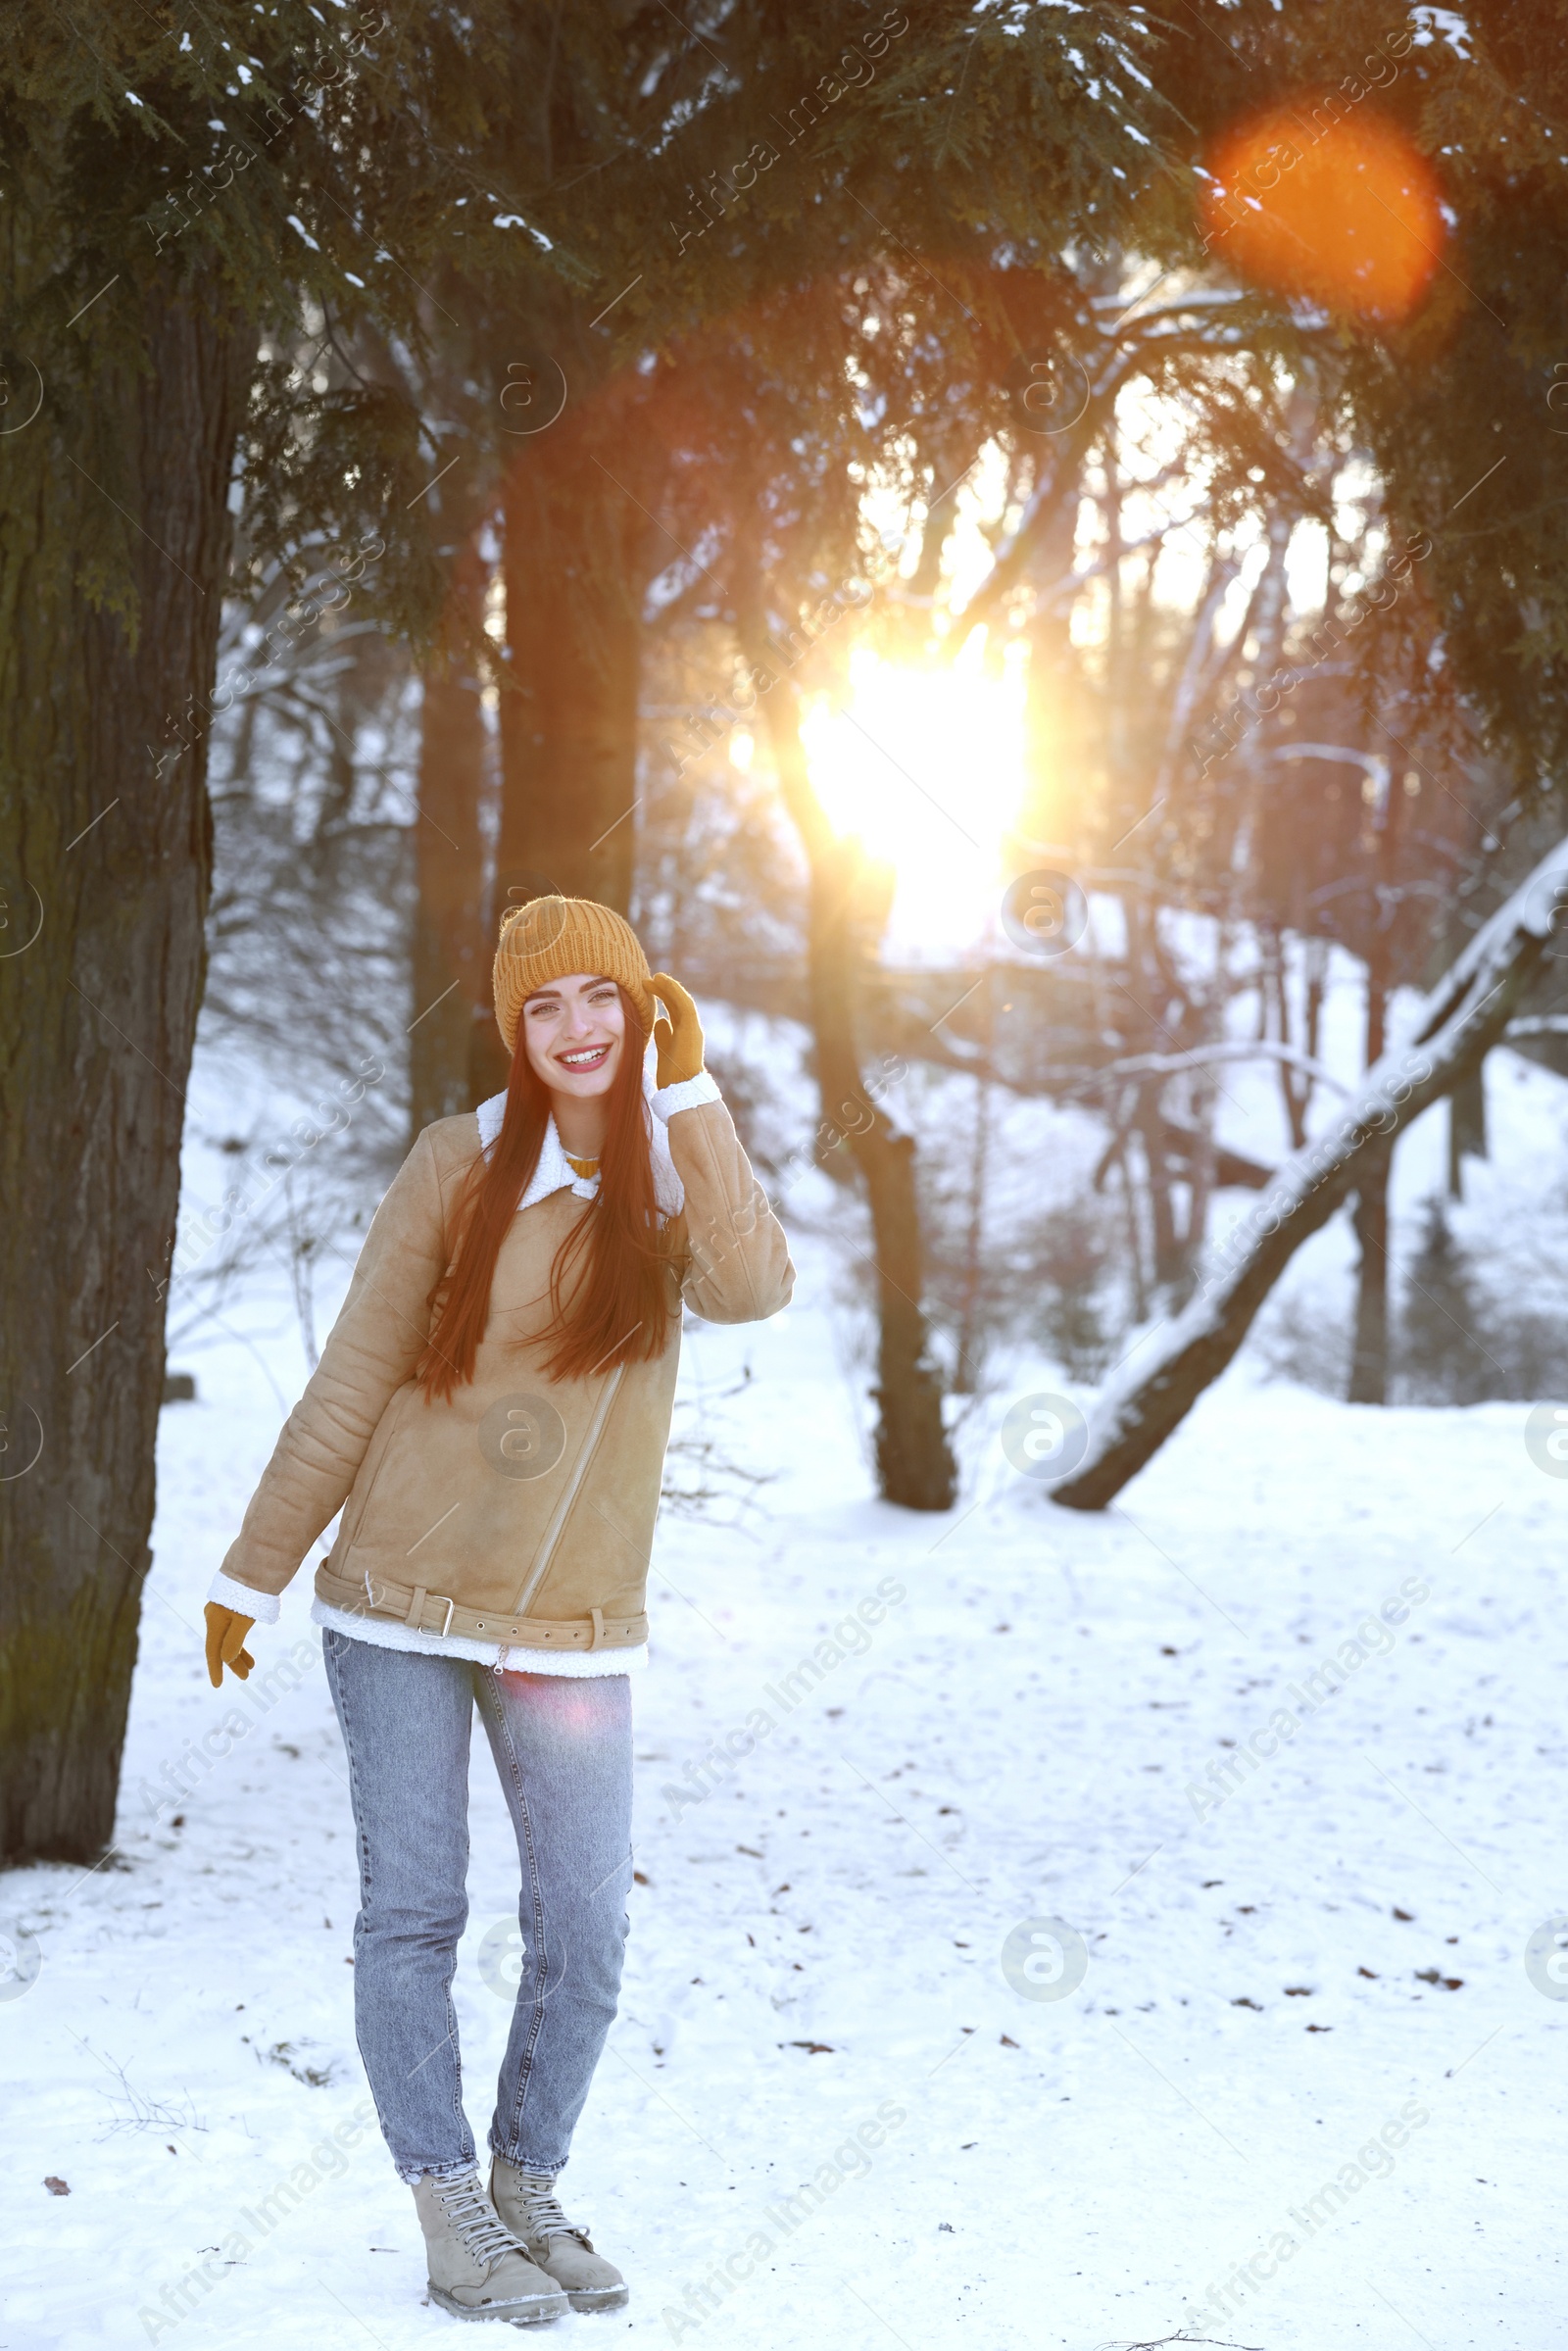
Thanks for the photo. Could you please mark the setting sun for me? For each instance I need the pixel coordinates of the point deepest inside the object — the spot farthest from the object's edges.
(925, 767)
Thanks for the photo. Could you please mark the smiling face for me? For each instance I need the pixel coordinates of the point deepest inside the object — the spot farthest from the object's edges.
(574, 1033)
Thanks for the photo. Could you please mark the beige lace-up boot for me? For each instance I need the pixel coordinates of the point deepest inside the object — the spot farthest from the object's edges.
(477, 2269)
(526, 2202)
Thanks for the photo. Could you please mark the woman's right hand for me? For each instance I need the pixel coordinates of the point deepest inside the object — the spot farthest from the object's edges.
(225, 1642)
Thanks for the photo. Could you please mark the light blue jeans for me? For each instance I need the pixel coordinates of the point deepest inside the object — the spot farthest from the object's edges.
(562, 1748)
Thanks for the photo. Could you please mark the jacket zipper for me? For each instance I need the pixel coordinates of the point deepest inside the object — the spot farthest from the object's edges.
(563, 1510)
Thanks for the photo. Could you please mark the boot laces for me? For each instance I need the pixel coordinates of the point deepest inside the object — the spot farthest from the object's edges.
(474, 2218)
(543, 2208)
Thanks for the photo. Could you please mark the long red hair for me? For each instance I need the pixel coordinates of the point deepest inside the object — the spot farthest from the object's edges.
(612, 1290)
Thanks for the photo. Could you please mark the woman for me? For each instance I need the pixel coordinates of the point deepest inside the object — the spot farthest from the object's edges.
(490, 1413)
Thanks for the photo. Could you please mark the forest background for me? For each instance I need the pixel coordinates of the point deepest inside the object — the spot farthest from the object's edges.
(1021, 546)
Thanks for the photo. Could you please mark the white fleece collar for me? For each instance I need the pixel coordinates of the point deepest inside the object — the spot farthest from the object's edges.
(555, 1173)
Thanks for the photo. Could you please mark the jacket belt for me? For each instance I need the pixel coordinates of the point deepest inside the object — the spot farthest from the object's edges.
(426, 1611)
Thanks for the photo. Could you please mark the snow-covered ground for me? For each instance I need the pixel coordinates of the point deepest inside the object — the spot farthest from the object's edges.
(1305, 2038)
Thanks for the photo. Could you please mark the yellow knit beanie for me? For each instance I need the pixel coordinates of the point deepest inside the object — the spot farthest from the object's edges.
(552, 937)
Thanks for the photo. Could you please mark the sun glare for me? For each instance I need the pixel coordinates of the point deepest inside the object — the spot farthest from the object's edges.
(925, 767)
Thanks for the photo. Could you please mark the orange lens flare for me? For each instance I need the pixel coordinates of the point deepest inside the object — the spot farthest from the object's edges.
(571, 1709)
(1339, 208)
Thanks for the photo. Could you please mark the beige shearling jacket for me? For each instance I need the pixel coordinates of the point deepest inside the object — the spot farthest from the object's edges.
(518, 1515)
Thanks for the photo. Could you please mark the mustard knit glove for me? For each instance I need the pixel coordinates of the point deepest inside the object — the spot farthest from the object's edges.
(225, 1642)
(679, 1037)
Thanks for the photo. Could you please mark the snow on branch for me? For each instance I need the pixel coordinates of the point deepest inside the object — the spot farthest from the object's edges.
(1465, 1014)
(1199, 1056)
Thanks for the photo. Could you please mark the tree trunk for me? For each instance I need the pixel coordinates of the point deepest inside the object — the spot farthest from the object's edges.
(568, 703)
(1467, 1128)
(1370, 1355)
(1168, 1256)
(105, 867)
(1151, 988)
(573, 568)
(1296, 1085)
(970, 1341)
(1061, 726)
(913, 1460)
(1200, 1177)
(1461, 1020)
(450, 975)
(1369, 1358)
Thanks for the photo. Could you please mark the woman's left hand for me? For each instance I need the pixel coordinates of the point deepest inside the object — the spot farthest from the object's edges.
(679, 1037)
